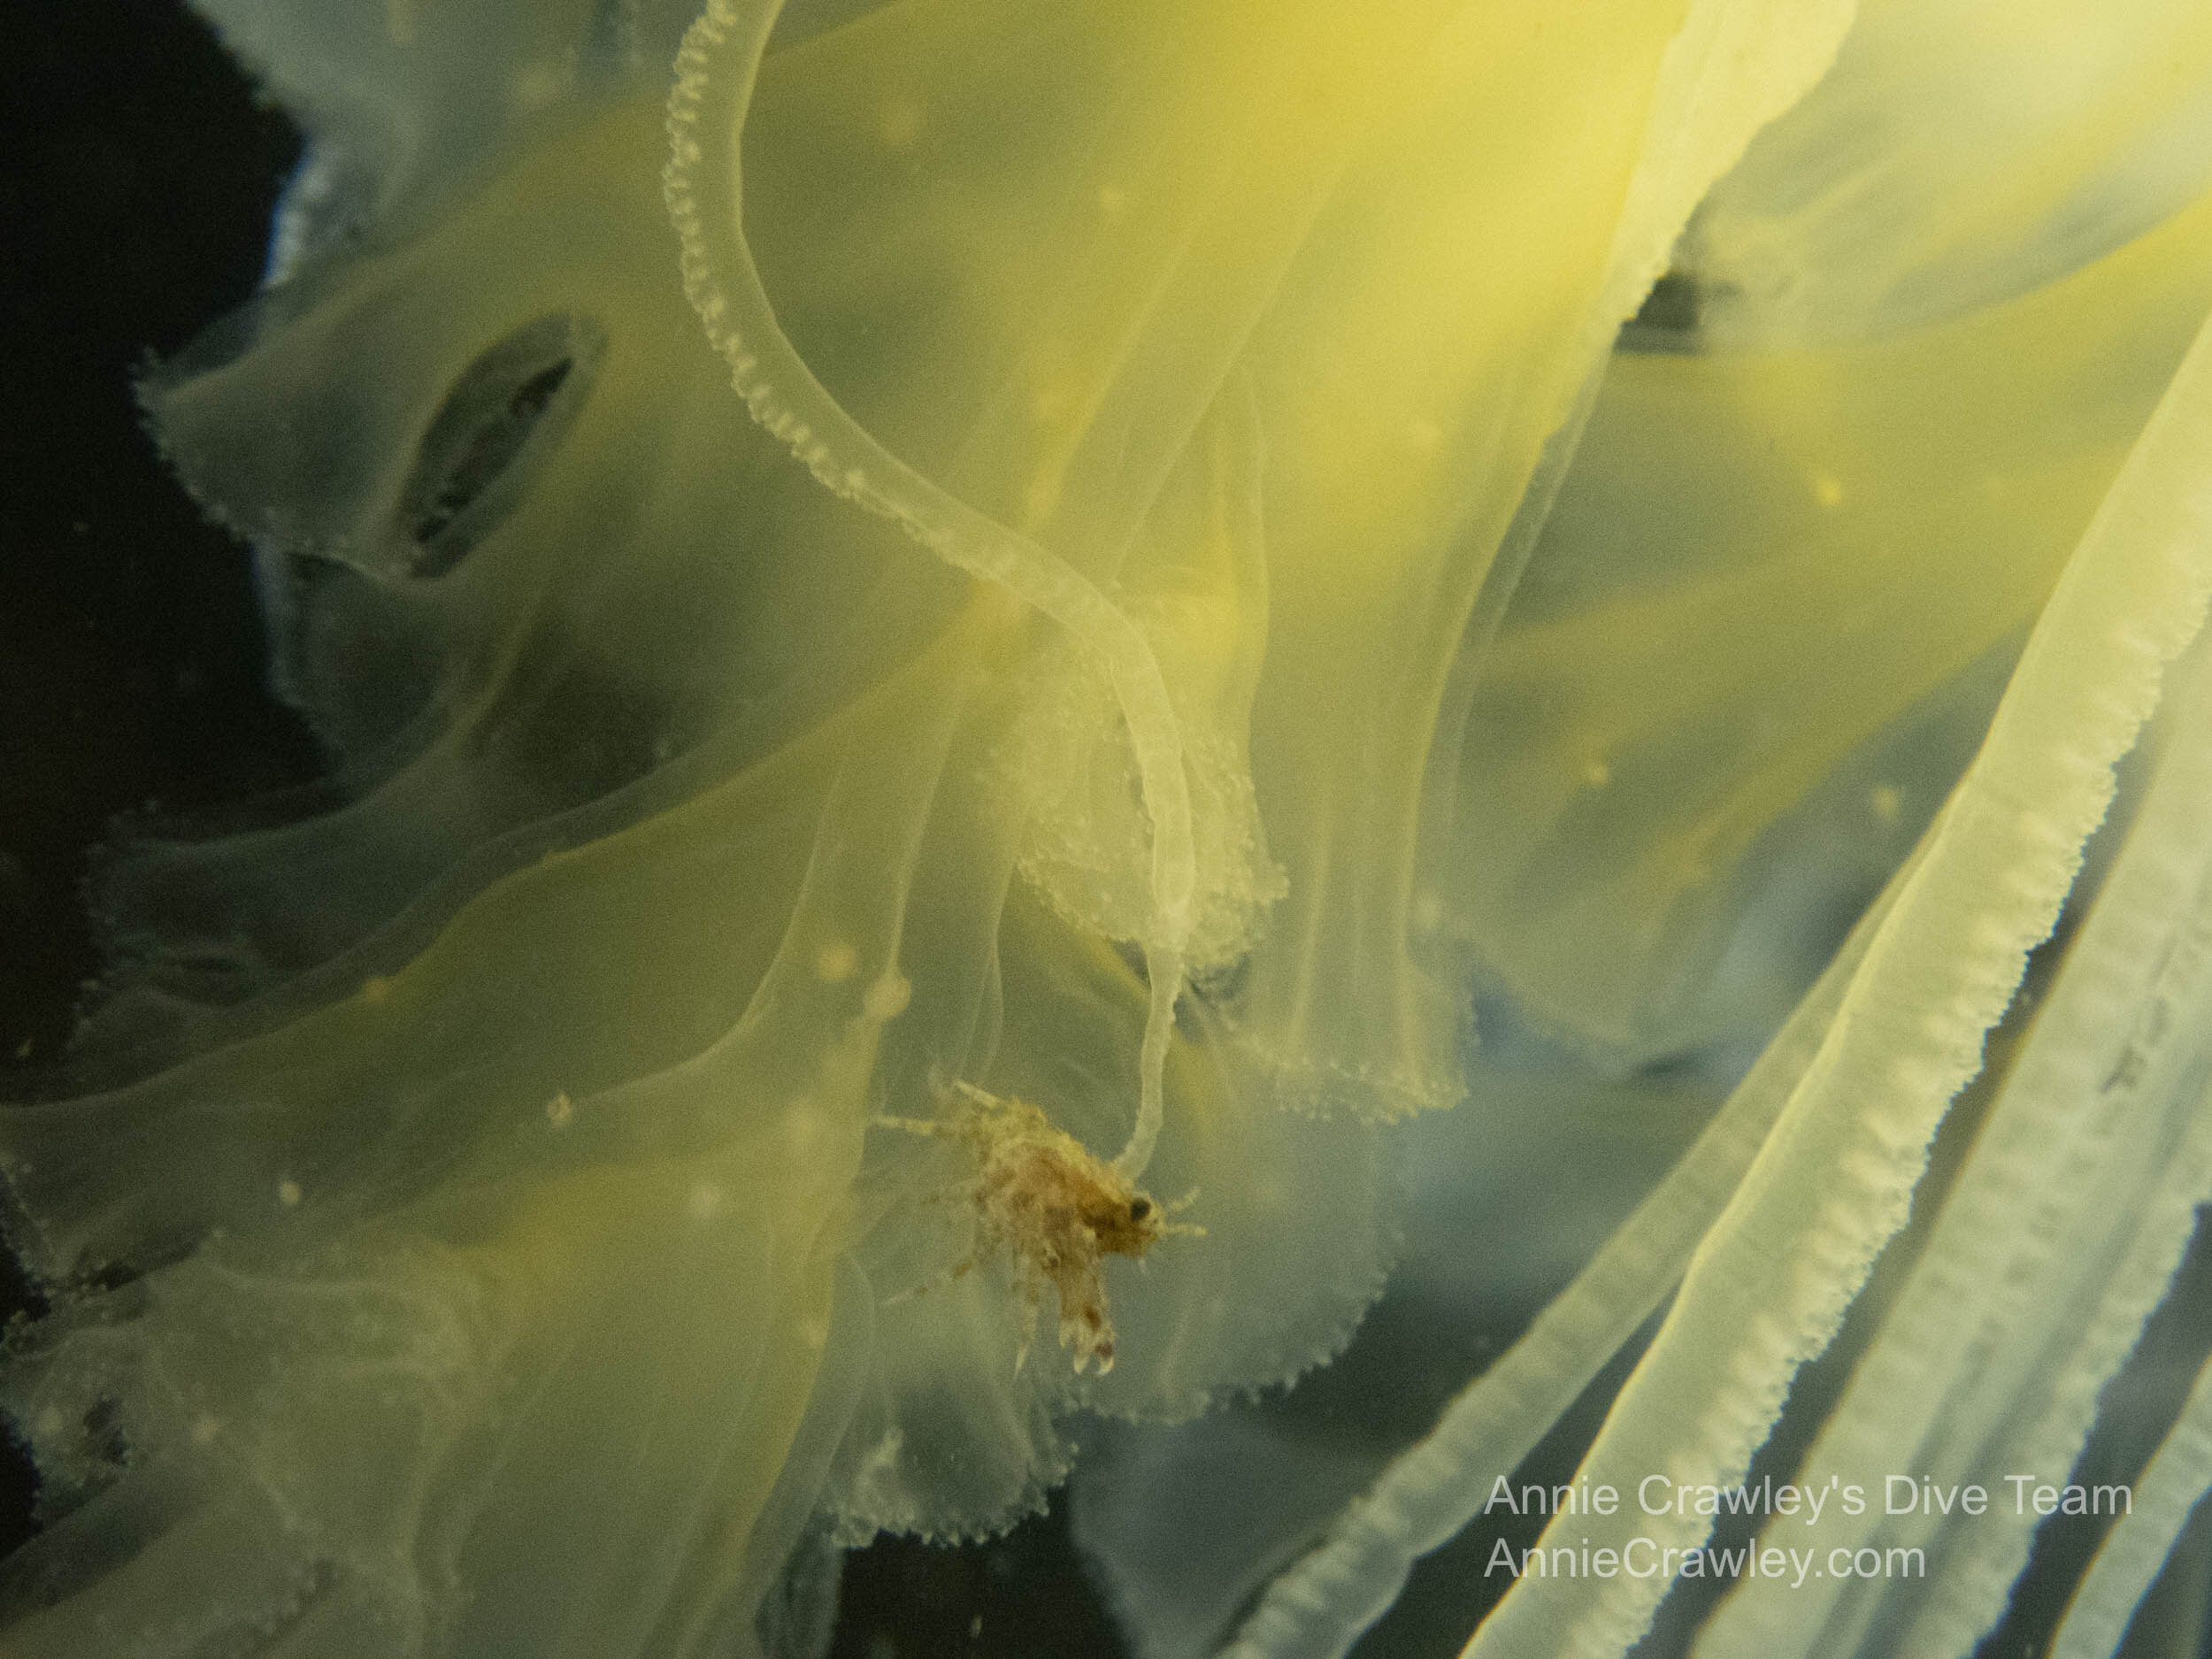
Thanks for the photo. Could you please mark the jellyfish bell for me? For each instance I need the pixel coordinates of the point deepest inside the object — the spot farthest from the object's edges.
(666, 866)
(1954, 816)
(882, 557)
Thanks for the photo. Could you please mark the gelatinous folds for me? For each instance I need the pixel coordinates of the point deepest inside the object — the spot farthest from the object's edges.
(1119, 553)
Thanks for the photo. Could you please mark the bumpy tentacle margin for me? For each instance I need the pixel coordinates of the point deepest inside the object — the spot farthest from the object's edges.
(717, 69)
(1321, 1605)
(2165, 1494)
(1771, 1281)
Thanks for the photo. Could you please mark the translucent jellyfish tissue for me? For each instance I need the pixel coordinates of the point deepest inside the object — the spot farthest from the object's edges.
(1370, 776)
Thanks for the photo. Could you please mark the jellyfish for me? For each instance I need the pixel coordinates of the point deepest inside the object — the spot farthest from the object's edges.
(1074, 743)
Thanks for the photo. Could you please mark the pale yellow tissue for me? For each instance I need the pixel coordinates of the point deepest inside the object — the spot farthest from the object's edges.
(1099, 556)
(1725, 652)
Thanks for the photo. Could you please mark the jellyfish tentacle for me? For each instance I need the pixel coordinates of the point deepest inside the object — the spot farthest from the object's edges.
(2051, 1248)
(716, 68)
(1322, 1604)
(2165, 1492)
(1836, 1179)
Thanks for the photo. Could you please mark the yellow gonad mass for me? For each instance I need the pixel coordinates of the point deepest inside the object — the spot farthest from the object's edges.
(1482, 632)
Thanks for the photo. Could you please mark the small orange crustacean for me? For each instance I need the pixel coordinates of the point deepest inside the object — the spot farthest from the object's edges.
(1055, 1204)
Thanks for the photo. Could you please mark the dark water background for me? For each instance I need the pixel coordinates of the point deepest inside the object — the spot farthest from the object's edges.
(136, 176)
